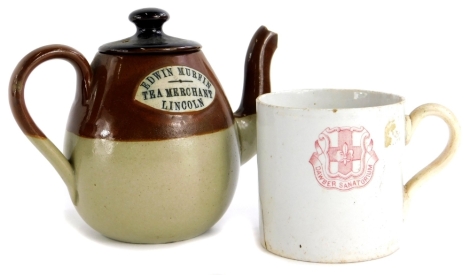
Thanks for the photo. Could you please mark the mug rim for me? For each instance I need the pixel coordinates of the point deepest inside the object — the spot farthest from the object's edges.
(395, 98)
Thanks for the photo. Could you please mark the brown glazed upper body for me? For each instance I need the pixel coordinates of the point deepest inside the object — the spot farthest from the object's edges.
(110, 111)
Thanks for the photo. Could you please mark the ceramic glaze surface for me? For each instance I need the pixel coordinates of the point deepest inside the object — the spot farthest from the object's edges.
(111, 110)
(154, 192)
(330, 175)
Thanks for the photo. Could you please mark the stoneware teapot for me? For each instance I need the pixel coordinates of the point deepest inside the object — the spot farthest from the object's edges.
(152, 149)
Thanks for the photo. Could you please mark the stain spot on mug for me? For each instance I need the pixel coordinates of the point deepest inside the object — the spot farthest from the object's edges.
(335, 110)
(391, 133)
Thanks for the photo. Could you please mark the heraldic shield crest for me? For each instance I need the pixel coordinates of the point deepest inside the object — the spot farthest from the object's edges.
(344, 158)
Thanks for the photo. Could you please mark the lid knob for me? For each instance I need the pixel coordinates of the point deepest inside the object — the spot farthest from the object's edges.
(149, 37)
(149, 21)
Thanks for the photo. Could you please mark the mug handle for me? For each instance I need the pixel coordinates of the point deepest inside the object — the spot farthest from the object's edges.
(412, 121)
(22, 116)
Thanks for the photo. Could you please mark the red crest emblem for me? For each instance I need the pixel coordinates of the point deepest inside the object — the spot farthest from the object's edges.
(344, 158)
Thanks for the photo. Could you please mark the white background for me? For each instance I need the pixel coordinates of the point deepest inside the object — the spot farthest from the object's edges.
(420, 50)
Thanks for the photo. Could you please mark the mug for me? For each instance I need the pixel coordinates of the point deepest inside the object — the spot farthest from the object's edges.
(330, 172)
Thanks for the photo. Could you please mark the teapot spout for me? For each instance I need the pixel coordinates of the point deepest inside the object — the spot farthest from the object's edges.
(257, 70)
(257, 82)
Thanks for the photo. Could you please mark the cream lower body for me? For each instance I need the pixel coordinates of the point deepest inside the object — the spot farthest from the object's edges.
(154, 191)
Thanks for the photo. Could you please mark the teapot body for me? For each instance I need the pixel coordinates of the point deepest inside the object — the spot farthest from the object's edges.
(146, 174)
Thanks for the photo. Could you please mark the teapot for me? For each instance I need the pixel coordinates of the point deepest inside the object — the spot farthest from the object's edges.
(152, 149)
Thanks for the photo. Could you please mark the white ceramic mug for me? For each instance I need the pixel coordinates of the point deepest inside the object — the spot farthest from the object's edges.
(330, 176)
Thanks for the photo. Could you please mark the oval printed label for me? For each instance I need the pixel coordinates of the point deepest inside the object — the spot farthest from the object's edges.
(176, 89)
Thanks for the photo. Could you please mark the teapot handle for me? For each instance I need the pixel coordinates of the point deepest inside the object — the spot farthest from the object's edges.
(22, 116)
(412, 122)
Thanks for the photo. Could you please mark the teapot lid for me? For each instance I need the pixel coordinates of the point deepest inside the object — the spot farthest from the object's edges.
(149, 37)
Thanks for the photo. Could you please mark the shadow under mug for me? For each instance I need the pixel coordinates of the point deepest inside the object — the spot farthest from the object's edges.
(331, 159)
